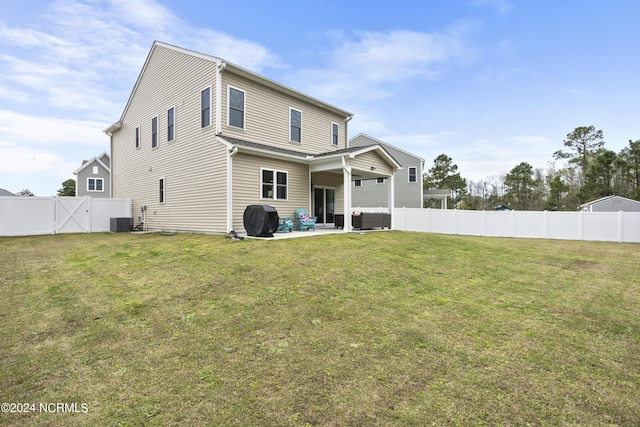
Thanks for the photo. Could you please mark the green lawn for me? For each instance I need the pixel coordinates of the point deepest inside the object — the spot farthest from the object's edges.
(382, 328)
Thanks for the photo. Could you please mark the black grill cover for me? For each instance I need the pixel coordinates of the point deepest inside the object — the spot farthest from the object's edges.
(260, 220)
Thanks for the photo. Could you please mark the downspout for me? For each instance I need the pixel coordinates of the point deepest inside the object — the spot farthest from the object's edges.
(230, 154)
(346, 171)
(219, 71)
(346, 130)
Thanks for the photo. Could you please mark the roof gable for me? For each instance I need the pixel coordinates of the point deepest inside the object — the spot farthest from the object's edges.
(607, 198)
(369, 140)
(228, 67)
(95, 160)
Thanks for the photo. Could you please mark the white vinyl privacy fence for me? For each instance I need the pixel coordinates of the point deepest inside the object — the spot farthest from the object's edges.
(24, 216)
(602, 226)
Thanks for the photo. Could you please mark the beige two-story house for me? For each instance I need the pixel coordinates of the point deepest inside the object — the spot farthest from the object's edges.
(200, 139)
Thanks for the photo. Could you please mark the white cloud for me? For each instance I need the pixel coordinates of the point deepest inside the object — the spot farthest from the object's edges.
(24, 130)
(144, 13)
(501, 6)
(29, 160)
(248, 54)
(484, 158)
(366, 64)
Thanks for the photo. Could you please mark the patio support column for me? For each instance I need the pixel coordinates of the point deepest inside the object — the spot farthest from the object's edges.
(346, 172)
(392, 201)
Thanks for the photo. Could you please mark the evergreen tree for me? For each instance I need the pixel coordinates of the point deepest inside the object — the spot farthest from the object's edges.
(520, 185)
(444, 175)
(584, 142)
(68, 188)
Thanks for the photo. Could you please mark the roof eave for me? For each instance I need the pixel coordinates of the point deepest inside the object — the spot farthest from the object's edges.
(285, 89)
(114, 127)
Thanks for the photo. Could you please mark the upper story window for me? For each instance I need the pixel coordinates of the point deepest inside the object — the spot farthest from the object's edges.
(413, 174)
(273, 184)
(334, 133)
(357, 183)
(381, 180)
(205, 107)
(171, 124)
(138, 137)
(154, 132)
(95, 184)
(236, 107)
(295, 125)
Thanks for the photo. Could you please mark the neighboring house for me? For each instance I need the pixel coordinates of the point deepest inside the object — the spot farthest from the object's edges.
(5, 193)
(611, 204)
(407, 183)
(200, 139)
(93, 178)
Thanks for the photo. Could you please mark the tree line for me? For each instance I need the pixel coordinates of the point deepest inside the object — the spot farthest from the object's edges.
(591, 171)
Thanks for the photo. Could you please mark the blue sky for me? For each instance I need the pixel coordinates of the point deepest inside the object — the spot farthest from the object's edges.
(491, 83)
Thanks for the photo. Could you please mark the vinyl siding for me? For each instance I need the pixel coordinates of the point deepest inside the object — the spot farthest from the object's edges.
(267, 118)
(247, 189)
(193, 164)
(371, 159)
(616, 204)
(370, 195)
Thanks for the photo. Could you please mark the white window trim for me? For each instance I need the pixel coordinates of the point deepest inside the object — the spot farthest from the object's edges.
(290, 139)
(174, 123)
(356, 182)
(164, 190)
(338, 134)
(244, 115)
(94, 184)
(157, 132)
(409, 174)
(210, 107)
(95, 170)
(137, 135)
(275, 184)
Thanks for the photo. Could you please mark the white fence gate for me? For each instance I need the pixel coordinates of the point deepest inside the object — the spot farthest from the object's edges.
(601, 226)
(24, 216)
